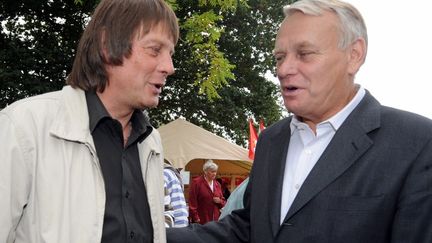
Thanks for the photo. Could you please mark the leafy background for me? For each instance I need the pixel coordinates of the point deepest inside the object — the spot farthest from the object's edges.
(221, 59)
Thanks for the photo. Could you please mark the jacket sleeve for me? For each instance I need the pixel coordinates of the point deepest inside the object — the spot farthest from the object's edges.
(412, 222)
(234, 228)
(15, 176)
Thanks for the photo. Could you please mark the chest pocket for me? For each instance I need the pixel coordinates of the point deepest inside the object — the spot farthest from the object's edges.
(355, 203)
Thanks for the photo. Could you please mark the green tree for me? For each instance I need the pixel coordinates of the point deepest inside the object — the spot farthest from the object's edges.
(246, 41)
(221, 59)
(38, 39)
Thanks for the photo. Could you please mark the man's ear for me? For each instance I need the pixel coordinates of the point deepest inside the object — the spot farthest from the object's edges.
(357, 55)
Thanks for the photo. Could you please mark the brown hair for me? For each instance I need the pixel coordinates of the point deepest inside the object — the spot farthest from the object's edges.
(112, 26)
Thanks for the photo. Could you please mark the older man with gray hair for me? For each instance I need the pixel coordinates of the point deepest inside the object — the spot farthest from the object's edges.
(343, 168)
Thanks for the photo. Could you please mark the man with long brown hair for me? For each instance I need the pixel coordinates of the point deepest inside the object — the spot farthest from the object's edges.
(84, 164)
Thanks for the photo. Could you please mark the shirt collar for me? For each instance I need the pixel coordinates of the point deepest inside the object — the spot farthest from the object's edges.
(140, 125)
(97, 112)
(336, 120)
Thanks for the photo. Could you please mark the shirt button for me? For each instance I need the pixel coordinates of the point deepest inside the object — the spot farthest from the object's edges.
(132, 234)
(308, 151)
(127, 194)
(297, 186)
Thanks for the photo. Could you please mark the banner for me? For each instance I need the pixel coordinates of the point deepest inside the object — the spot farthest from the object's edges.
(252, 140)
(261, 127)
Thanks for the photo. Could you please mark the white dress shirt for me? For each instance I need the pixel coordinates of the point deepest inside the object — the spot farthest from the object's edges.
(305, 148)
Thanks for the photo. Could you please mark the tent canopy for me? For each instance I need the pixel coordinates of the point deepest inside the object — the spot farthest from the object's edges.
(184, 142)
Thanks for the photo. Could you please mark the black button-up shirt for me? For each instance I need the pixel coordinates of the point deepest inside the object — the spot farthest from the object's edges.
(127, 213)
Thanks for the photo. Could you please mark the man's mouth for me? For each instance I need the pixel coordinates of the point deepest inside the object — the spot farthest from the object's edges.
(291, 88)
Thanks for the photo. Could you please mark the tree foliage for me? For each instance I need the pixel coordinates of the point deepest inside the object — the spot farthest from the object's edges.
(37, 45)
(224, 51)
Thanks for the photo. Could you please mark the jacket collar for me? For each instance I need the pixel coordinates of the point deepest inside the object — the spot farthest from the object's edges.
(72, 120)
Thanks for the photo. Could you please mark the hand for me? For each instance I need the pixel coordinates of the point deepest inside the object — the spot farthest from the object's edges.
(217, 200)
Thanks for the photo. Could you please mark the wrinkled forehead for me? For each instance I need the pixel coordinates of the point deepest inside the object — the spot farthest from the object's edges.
(299, 17)
(300, 25)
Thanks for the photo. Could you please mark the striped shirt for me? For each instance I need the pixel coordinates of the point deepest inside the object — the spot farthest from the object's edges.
(176, 198)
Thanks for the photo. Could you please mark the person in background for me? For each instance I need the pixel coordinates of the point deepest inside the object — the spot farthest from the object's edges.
(225, 191)
(168, 209)
(235, 201)
(205, 195)
(84, 164)
(343, 168)
(175, 203)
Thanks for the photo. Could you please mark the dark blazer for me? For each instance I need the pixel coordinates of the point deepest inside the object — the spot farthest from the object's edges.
(372, 184)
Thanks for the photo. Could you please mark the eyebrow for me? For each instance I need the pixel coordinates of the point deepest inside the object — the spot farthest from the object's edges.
(300, 45)
(304, 44)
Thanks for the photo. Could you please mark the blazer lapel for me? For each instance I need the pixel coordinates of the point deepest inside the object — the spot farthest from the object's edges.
(276, 160)
(207, 185)
(348, 144)
(338, 157)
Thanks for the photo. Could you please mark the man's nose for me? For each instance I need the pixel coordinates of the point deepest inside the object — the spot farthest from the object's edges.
(288, 66)
(166, 65)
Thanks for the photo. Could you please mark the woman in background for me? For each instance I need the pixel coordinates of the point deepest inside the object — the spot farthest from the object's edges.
(205, 196)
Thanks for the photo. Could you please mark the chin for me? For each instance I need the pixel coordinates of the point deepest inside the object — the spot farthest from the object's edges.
(294, 107)
(145, 105)
(153, 101)
(152, 105)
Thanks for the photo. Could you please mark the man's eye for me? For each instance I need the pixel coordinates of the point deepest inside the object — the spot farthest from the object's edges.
(154, 50)
(303, 54)
(279, 58)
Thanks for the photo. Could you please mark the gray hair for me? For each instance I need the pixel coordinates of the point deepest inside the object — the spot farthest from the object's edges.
(210, 165)
(352, 25)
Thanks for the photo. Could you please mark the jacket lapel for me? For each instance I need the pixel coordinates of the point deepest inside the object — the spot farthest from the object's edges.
(206, 184)
(151, 159)
(72, 120)
(208, 187)
(348, 144)
(276, 160)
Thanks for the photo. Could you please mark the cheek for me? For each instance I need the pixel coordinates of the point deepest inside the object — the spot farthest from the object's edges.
(318, 78)
(149, 64)
(140, 65)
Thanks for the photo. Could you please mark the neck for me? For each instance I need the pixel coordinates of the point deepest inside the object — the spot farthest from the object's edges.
(312, 122)
(116, 110)
(118, 113)
(207, 179)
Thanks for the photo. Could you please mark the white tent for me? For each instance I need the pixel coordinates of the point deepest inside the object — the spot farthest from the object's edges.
(188, 146)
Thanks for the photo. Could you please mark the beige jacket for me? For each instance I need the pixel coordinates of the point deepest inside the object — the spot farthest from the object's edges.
(51, 184)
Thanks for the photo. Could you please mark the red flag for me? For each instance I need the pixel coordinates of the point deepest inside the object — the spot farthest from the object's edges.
(252, 140)
(261, 127)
